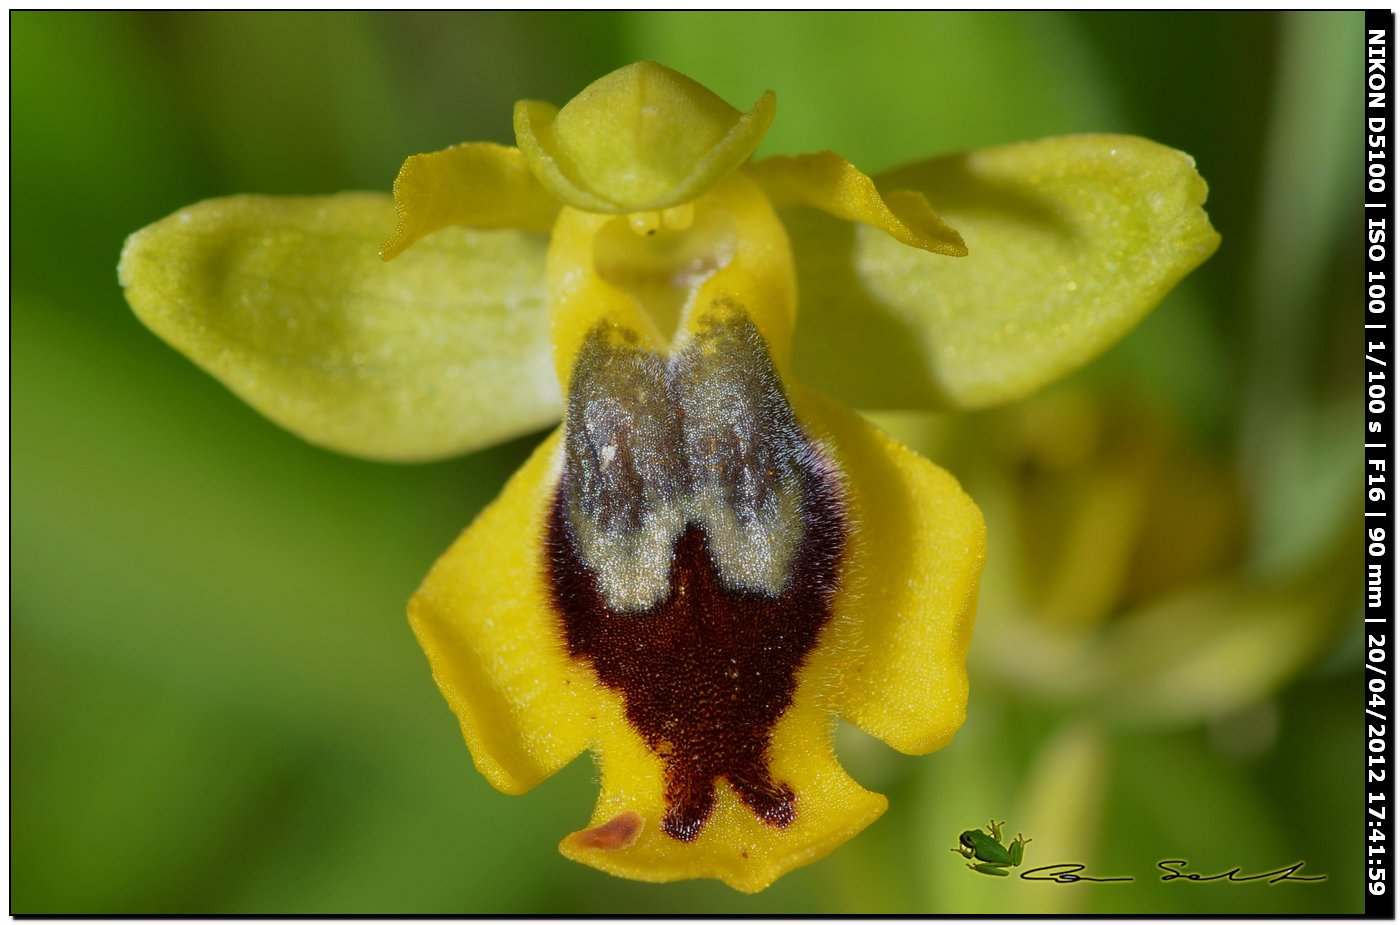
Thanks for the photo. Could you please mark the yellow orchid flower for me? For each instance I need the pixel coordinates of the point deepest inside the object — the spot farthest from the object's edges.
(708, 562)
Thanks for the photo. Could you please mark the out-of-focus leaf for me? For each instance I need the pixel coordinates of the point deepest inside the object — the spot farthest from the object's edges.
(1210, 649)
(923, 83)
(1063, 808)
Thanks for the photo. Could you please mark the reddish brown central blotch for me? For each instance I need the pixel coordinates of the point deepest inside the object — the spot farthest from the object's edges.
(706, 673)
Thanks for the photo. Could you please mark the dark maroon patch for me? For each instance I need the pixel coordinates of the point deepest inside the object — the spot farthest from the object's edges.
(706, 673)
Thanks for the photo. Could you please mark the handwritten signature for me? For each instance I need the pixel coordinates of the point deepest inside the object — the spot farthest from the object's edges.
(1173, 869)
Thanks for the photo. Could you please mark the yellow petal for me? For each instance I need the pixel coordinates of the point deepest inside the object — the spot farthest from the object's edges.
(480, 185)
(1071, 242)
(287, 303)
(829, 182)
(484, 619)
(641, 138)
(911, 593)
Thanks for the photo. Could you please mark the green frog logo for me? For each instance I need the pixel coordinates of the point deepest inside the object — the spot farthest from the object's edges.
(986, 847)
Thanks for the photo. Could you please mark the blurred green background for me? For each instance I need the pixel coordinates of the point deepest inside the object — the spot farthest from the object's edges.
(217, 705)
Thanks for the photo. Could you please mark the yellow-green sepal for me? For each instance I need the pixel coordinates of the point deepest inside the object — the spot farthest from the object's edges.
(287, 303)
(1071, 242)
(478, 184)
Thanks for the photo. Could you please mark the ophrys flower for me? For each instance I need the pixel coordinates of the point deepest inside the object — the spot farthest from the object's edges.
(708, 563)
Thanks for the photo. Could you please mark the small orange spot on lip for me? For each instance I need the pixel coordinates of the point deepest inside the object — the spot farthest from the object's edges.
(618, 832)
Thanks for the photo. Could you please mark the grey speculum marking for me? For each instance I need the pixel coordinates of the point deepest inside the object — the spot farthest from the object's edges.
(653, 446)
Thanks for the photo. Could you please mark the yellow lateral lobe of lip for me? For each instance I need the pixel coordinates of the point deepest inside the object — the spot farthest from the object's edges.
(485, 621)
